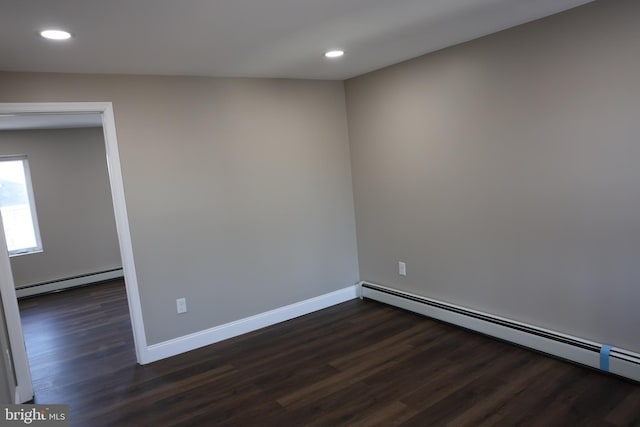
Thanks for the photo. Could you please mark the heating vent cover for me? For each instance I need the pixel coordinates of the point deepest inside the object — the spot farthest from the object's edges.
(596, 355)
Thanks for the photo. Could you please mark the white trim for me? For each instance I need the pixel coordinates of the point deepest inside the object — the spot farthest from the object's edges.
(124, 234)
(229, 330)
(17, 350)
(578, 352)
(59, 285)
(119, 203)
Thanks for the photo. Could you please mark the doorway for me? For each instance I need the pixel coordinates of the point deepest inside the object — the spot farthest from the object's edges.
(24, 389)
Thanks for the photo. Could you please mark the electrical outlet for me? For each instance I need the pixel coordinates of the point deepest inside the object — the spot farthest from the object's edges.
(181, 304)
(402, 268)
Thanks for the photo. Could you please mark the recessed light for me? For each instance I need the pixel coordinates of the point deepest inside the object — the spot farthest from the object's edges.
(55, 34)
(334, 54)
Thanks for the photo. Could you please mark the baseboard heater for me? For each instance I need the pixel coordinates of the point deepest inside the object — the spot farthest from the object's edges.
(596, 355)
(69, 282)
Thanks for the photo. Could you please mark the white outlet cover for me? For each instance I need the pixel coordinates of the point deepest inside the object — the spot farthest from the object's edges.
(181, 305)
(402, 268)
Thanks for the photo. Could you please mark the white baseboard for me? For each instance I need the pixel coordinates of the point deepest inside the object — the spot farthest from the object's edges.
(59, 285)
(229, 330)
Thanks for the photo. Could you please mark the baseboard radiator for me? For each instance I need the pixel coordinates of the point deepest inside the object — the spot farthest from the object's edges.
(596, 355)
(69, 282)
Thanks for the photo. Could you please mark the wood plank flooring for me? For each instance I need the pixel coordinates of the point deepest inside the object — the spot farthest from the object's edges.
(360, 363)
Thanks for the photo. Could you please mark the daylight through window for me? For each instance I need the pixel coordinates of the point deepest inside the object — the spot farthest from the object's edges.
(16, 205)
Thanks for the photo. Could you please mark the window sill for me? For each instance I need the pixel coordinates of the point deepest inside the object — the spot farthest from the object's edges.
(29, 252)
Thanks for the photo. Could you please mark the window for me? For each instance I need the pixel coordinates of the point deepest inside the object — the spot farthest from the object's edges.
(16, 205)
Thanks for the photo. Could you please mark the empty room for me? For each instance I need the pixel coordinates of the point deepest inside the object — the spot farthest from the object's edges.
(320, 213)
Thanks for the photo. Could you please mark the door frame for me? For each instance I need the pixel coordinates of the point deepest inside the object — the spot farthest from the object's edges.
(22, 387)
(7, 287)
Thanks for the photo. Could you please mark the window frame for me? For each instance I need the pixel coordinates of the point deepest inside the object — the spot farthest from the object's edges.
(32, 205)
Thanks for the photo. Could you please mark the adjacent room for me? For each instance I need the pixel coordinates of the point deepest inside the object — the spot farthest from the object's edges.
(321, 213)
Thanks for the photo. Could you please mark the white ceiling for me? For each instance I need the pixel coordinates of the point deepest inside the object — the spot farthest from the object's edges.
(247, 38)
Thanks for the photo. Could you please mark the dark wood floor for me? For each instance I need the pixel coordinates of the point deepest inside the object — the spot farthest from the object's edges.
(360, 363)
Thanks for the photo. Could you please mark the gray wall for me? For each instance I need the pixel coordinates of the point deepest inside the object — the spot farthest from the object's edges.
(73, 201)
(238, 190)
(504, 171)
